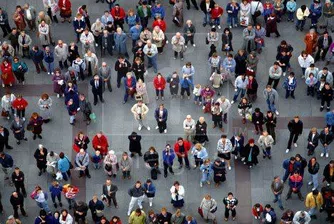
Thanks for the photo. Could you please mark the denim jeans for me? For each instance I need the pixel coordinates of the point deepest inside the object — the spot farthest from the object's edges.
(312, 211)
(325, 149)
(198, 99)
(314, 179)
(300, 23)
(271, 106)
(96, 165)
(239, 91)
(44, 205)
(152, 61)
(206, 18)
(279, 200)
(65, 177)
(50, 67)
(232, 20)
(291, 15)
(216, 21)
(205, 177)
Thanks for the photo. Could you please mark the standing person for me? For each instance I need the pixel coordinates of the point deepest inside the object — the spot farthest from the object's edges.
(151, 159)
(37, 57)
(96, 207)
(140, 111)
(277, 187)
(20, 104)
(295, 184)
(216, 14)
(177, 194)
(7, 163)
(248, 35)
(137, 195)
(110, 163)
(258, 120)
(290, 84)
(82, 162)
(189, 31)
(100, 142)
(64, 166)
(290, 166)
(122, 67)
(35, 125)
(310, 41)
(182, 147)
(217, 118)
(302, 14)
(109, 191)
(225, 105)
(230, 203)
(271, 97)
(79, 25)
(18, 18)
(252, 87)
(168, 156)
(18, 181)
(7, 76)
(80, 209)
(232, 9)
(328, 173)
(330, 120)
(41, 198)
(40, 156)
(326, 137)
(144, 13)
(70, 193)
(219, 172)
(314, 201)
(4, 135)
(287, 217)
(45, 103)
(178, 43)
(326, 94)
(271, 24)
(120, 42)
(257, 210)
(245, 110)
(270, 121)
(240, 85)
(125, 165)
(159, 83)
(56, 190)
(305, 60)
(295, 127)
(138, 68)
(194, 3)
(269, 215)
(14, 40)
(323, 44)
(151, 50)
(44, 34)
(81, 141)
(206, 6)
(118, 14)
(201, 131)
(137, 217)
(209, 207)
(266, 141)
(49, 60)
(149, 191)
(238, 144)
(134, 144)
(4, 23)
(161, 115)
(189, 126)
(97, 88)
(251, 151)
(313, 141)
(87, 41)
(224, 148)
(17, 201)
(65, 7)
(59, 84)
(20, 68)
(51, 163)
(275, 73)
(251, 63)
(200, 155)
(313, 169)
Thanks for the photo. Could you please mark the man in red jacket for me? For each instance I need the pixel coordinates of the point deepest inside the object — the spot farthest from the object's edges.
(118, 14)
(181, 149)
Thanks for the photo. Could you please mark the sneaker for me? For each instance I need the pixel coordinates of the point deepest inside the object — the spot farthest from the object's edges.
(140, 206)
(151, 204)
(287, 150)
(166, 41)
(139, 128)
(281, 207)
(232, 102)
(235, 157)
(58, 96)
(295, 145)
(208, 182)
(313, 188)
(213, 26)
(229, 168)
(310, 183)
(128, 213)
(157, 127)
(284, 73)
(162, 98)
(165, 131)
(327, 155)
(219, 27)
(277, 113)
(23, 118)
(148, 128)
(194, 45)
(322, 154)
(201, 184)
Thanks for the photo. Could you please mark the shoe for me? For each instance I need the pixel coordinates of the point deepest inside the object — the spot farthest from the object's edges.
(165, 131)
(322, 154)
(88, 176)
(276, 112)
(287, 150)
(284, 73)
(302, 199)
(313, 188)
(139, 128)
(39, 136)
(128, 213)
(25, 139)
(287, 198)
(40, 173)
(162, 98)
(55, 205)
(229, 168)
(148, 128)
(140, 206)
(327, 155)
(234, 218)
(226, 219)
(188, 97)
(235, 157)
(194, 45)
(151, 204)
(208, 182)
(58, 95)
(321, 109)
(295, 145)
(201, 184)
(275, 200)
(156, 97)
(60, 204)
(250, 167)
(328, 109)
(281, 207)
(165, 175)
(310, 183)
(9, 147)
(34, 137)
(219, 27)
(232, 102)
(157, 127)
(180, 167)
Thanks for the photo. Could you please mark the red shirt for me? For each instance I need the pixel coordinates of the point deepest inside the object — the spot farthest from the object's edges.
(215, 12)
(159, 83)
(19, 104)
(119, 13)
(161, 24)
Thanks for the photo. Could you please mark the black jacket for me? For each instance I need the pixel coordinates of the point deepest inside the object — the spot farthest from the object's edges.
(113, 190)
(326, 138)
(315, 140)
(82, 207)
(253, 88)
(313, 169)
(151, 159)
(327, 174)
(124, 68)
(4, 139)
(202, 5)
(326, 94)
(296, 128)
(270, 121)
(255, 153)
(258, 118)
(17, 201)
(226, 40)
(320, 42)
(98, 89)
(240, 61)
(162, 219)
(18, 179)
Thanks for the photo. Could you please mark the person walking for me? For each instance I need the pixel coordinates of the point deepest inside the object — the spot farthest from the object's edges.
(137, 195)
(326, 137)
(271, 97)
(277, 187)
(17, 201)
(109, 191)
(314, 201)
(295, 127)
(182, 147)
(18, 181)
(209, 207)
(313, 169)
(230, 203)
(240, 85)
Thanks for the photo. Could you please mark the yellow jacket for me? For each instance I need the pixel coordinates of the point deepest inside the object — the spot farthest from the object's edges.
(314, 201)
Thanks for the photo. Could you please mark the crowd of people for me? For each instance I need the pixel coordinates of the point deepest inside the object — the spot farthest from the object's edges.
(144, 27)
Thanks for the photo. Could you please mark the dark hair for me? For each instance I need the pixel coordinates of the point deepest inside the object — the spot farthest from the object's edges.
(268, 206)
(61, 155)
(42, 213)
(292, 158)
(179, 138)
(257, 110)
(223, 136)
(315, 192)
(138, 210)
(230, 193)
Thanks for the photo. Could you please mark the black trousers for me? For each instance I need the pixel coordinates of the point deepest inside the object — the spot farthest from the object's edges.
(21, 113)
(162, 125)
(20, 188)
(296, 192)
(227, 212)
(294, 137)
(6, 29)
(271, 131)
(119, 79)
(112, 198)
(186, 160)
(53, 197)
(322, 56)
(193, 2)
(270, 81)
(189, 38)
(323, 100)
(86, 172)
(185, 90)
(16, 213)
(96, 96)
(168, 167)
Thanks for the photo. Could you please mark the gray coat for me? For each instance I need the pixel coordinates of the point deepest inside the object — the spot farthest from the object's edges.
(178, 220)
(178, 44)
(272, 95)
(82, 160)
(105, 75)
(61, 52)
(248, 38)
(126, 164)
(32, 12)
(207, 206)
(120, 43)
(52, 160)
(28, 42)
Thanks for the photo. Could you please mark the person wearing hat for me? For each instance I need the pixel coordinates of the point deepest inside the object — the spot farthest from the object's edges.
(251, 151)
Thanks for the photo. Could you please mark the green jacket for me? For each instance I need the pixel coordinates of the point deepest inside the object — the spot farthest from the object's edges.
(140, 11)
(134, 219)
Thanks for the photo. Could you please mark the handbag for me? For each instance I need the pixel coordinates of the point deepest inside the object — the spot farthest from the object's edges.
(257, 13)
(200, 211)
(99, 213)
(206, 40)
(4, 113)
(108, 167)
(30, 127)
(244, 21)
(71, 165)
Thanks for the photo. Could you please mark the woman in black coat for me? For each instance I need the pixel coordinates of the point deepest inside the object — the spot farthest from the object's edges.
(252, 88)
(251, 152)
(240, 60)
(313, 141)
(40, 156)
(138, 69)
(134, 145)
(219, 172)
(227, 41)
(200, 131)
(81, 141)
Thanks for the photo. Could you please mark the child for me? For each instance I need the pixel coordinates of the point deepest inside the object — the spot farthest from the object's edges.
(96, 159)
(290, 85)
(283, 60)
(291, 7)
(174, 82)
(257, 211)
(216, 80)
(311, 82)
(217, 118)
(197, 94)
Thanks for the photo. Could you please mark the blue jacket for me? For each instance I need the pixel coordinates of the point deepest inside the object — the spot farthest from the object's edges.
(120, 43)
(133, 83)
(191, 222)
(272, 213)
(168, 158)
(291, 6)
(229, 65)
(36, 57)
(203, 154)
(135, 33)
(158, 12)
(79, 24)
(296, 166)
(49, 58)
(207, 168)
(164, 114)
(315, 12)
(55, 190)
(132, 20)
(235, 10)
(7, 161)
(63, 164)
(151, 189)
(292, 86)
(330, 118)
(186, 83)
(49, 219)
(96, 159)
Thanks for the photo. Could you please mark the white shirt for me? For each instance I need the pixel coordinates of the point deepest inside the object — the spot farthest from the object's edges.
(28, 14)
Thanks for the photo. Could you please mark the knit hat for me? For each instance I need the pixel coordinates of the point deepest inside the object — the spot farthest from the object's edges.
(251, 141)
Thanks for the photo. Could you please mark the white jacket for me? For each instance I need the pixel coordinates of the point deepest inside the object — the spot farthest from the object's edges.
(265, 141)
(224, 106)
(6, 103)
(197, 91)
(180, 192)
(255, 7)
(305, 63)
(300, 15)
(68, 220)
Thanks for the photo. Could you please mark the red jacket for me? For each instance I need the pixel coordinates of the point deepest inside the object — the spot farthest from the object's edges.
(187, 147)
(161, 24)
(215, 12)
(121, 13)
(103, 142)
(257, 213)
(19, 104)
(67, 4)
(159, 84)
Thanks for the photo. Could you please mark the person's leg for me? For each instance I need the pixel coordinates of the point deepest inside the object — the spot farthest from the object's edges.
(234, 213)
(290, 140)
(227, 213)
(286, 175)
(295, 139)
(279, 200)
(315, 180)
(236, 94)
(289, 193)
(186, 161)
(179, 158)
(140, 201)
(16, 214)
(276, 81)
